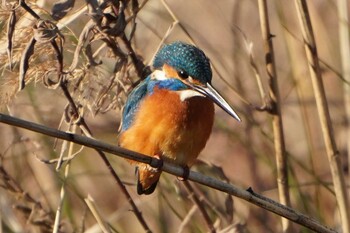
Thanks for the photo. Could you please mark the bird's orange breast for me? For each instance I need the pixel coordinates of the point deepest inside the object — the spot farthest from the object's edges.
(166, 126)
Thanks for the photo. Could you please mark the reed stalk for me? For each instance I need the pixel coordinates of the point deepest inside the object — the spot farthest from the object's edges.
(324, 115)
(275, 111)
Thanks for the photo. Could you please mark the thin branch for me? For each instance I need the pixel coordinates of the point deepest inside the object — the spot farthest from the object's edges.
(125, 192)
(323, 112)
(27, 203)
(248, 195)
(28, 9)
(10, 32)
(275, 103)
(93, 208)
(199, 203)
(187, 219)
(141, 69)
(63, 188)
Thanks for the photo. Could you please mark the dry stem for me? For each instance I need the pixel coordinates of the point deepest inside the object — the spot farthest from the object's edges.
(196, 200)
(344, 43)
(323, 112)
(280, 151)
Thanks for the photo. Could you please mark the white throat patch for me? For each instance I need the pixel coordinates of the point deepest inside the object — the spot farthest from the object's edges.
(186, 94)
(158, 75)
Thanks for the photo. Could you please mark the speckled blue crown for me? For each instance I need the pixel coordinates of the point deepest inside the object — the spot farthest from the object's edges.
(185, 57)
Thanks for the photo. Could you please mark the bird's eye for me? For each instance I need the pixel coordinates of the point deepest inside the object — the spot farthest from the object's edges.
(182, 74)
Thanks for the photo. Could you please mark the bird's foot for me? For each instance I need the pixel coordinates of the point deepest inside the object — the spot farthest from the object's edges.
(185, 174)
(156, 164)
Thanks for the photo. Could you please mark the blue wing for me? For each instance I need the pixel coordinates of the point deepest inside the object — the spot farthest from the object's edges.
(133, 102)
(136, 96)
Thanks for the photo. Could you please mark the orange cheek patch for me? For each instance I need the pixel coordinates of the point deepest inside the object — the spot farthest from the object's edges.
(170, 71)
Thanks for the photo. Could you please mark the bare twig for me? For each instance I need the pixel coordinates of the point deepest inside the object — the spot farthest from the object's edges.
(31, 206)
(187, 219)
(24, 5)
(82, 39)
(323, 112)
(63, 188)
(10, 31)
(141, 70)
(275, 103)
(28, 52)
(196, 200)
(125, 192)
(248, 195)
(93, 208)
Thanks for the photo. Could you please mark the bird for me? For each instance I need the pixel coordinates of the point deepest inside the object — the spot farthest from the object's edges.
(170, 114)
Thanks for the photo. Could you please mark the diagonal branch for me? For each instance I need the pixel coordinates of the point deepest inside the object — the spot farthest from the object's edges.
(248, 195)
(199, 203)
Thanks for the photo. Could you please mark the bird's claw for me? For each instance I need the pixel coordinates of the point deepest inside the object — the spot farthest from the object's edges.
(157, 164)
(185, 174)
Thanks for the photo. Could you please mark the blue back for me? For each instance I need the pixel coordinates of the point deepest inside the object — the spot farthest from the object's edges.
(133, 102)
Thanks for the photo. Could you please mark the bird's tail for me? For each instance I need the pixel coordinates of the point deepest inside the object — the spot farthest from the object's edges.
(147, 179)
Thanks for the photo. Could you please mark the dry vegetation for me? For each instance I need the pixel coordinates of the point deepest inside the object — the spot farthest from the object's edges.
(50, 185)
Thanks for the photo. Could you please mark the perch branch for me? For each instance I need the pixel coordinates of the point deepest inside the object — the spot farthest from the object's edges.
(248, 195)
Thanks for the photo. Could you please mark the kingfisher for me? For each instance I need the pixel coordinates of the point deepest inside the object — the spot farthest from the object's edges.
(170, 114)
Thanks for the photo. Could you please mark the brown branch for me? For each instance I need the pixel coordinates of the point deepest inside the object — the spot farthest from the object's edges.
(248, 195)
(141, 70)
(10, 32)
(30, 206)
(199, 203)
(344, 47)
(24, 5)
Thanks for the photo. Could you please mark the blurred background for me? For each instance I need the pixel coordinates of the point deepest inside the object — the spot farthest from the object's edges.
(241, 153)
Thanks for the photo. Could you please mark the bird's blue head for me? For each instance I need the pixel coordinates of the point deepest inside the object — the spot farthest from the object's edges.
(185, 58)
(181, 66)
